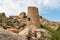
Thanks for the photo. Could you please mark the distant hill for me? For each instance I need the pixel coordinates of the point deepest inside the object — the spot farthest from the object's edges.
(51, 24)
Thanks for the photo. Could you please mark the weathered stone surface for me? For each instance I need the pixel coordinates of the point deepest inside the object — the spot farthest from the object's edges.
(13, 30)
(22, 15)
(25, 32)
(6, 35)
(33, 16)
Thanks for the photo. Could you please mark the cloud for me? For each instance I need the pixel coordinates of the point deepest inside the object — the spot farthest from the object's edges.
(14, 7)
(52, 3)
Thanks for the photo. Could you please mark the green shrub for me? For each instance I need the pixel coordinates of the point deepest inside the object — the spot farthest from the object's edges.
(55, 35)
(0, 20)
(9, 23)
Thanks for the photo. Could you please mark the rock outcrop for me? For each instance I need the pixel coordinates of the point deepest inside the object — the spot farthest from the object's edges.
(6, 35)
(22, 15)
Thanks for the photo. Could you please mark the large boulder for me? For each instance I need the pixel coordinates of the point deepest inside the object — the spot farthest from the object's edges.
(22, 15)
(6, 35)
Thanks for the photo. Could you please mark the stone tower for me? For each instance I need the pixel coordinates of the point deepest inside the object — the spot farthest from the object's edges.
(33, 16)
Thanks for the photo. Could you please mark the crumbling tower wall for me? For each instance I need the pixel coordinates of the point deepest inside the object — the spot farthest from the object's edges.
(33, 16)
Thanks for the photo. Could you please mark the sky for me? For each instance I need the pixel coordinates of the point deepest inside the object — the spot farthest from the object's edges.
(49, 9)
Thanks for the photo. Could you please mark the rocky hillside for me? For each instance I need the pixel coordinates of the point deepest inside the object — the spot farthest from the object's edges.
(16, 21)
(28, 27)
(51, 24)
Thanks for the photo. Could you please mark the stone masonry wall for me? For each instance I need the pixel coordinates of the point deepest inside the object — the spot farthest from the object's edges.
(33, 16)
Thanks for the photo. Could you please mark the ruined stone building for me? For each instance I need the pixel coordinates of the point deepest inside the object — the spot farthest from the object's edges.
(33, 16)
